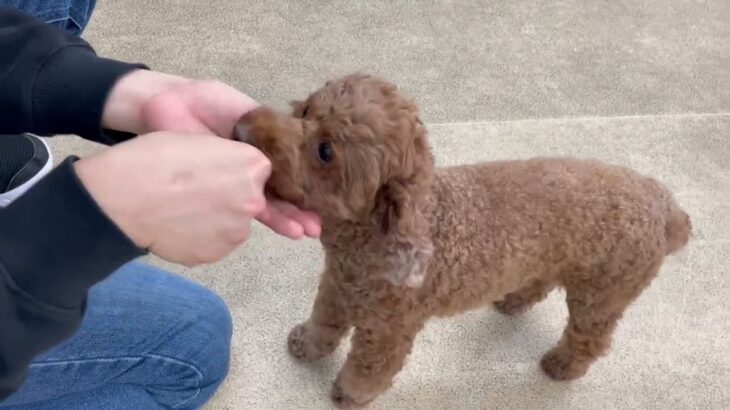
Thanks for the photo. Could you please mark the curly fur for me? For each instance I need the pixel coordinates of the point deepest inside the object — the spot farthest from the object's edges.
(405, 241)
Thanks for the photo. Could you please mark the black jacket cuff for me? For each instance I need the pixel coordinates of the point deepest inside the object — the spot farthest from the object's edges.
(52, 82)
(71, 91)
(56, 242)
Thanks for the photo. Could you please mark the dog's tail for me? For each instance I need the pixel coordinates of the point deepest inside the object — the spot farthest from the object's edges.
(677, 229)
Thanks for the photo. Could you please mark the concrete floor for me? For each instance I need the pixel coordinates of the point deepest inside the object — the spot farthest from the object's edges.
(643, 83)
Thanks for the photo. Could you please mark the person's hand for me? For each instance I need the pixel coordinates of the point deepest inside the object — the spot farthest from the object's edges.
(189, 199)
(146, 101)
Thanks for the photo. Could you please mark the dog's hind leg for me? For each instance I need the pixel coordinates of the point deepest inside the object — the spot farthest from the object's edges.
(523, 299)
(595, 304)
(321, 334)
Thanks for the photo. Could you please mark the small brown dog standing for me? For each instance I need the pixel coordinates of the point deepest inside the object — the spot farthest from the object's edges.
(405, 242)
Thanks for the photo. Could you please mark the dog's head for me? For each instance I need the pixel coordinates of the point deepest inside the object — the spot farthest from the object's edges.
(353, 151)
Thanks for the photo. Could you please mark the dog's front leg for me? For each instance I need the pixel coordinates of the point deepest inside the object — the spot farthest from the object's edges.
(378, 353)
(321, 334)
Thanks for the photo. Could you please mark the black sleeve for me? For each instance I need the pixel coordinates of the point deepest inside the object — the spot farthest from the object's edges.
(52, 82)
(55, 241)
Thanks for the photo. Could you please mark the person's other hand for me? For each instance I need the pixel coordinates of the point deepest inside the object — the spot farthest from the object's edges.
(207, 107)
(188, 199)
(146, 101)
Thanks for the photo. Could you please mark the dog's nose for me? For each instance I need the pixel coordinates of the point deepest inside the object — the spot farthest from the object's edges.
(241, 132)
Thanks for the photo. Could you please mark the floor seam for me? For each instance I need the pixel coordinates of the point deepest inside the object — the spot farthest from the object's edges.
(589, 118)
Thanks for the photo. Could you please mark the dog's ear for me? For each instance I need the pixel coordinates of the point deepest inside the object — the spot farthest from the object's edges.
(405, 228)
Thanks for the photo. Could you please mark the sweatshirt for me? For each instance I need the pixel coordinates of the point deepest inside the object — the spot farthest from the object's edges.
(55, 241)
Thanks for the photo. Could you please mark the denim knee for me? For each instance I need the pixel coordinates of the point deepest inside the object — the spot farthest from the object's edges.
(70, 15)
(209, 333)
(215, 311)
(194, 331)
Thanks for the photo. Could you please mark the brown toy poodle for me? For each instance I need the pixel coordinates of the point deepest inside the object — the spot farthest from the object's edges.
(405, 241)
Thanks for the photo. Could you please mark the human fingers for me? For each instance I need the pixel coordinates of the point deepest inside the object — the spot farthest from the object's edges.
(280, 223)
(309, 221)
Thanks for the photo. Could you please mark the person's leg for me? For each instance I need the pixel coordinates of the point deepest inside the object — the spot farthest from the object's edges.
(70, 15)
(149, 339)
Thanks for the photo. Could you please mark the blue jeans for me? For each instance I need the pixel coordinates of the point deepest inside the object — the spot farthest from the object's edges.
(70, 15)
(149, 339)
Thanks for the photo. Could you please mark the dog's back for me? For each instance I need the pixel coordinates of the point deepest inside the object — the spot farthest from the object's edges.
(503, 224)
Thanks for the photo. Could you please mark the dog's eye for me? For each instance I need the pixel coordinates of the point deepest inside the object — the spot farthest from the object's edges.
(324, 152)
(304, 112)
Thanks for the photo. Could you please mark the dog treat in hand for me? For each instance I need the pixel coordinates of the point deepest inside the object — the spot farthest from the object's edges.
(405, 241)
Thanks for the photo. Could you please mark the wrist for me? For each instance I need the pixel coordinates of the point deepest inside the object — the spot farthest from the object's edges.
(123, 108)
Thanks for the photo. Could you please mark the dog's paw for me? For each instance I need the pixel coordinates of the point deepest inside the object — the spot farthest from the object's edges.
(343, 400)
(561, 365)
(297, 343)
(511, 307)
(303, 347)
